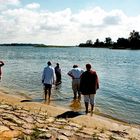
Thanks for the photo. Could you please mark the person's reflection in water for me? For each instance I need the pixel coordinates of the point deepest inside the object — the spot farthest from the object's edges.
(76, 105)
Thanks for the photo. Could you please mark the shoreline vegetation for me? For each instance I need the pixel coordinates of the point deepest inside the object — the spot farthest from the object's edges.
(33, 45)
(38, 120)
(131, 43)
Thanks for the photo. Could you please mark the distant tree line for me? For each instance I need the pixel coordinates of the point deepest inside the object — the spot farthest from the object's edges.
(24, 44)
(17, 44)
(132, 42)
(33, 45)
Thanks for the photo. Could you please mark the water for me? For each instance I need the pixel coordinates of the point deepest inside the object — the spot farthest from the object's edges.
(118, 71)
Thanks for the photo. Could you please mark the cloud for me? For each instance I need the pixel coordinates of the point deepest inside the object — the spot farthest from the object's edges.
(9, 2)
(33, 6)
(5, 3)
(111, 20)
(64, 27)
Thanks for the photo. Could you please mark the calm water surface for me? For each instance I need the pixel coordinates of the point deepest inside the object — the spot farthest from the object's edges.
(118, 71)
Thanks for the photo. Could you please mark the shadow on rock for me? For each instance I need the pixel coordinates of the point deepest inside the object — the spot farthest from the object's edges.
(68, 114)
(32, 100)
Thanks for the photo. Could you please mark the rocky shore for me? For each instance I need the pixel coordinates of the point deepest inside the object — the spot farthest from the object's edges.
(39, 121)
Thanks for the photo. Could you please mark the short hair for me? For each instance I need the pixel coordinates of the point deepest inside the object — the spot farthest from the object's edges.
(75, 66)
(88, 66)
(49, 63)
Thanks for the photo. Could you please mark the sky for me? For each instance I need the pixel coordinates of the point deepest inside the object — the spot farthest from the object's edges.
(67, 22)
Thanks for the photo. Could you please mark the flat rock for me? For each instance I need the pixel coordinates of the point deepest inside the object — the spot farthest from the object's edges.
(3, 128)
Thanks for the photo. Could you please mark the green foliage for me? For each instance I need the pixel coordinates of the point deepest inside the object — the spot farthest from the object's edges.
(133, 42)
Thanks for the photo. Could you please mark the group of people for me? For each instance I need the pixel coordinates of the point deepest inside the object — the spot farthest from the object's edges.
(83, 82)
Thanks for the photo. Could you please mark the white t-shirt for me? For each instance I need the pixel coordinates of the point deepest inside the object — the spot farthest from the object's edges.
(76, 72)
(48, 76)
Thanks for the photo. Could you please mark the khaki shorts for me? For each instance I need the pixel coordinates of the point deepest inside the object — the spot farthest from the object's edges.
(75, 85)
(89, 98)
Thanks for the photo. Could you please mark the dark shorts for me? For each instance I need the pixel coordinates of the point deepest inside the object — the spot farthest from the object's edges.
(47, 86)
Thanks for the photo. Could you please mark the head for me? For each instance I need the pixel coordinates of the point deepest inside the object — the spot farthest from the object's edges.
(88, 67)
(75, 66)
(49, 63)
(57, 64)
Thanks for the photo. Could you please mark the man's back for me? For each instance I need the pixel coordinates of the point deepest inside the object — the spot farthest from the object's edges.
(76, 72)
(89, 81)
(48, 75)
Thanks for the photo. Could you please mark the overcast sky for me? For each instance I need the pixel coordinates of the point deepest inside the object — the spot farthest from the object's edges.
(67, 22)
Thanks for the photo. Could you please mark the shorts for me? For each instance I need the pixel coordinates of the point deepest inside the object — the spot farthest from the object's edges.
(90, 97)
(47, 86)
(75, 85)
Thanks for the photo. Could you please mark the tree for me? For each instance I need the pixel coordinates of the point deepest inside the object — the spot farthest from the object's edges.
(108, 41)
(89, 42)
(122, 43)
(134, 35)
(96, 43)
(134, 40)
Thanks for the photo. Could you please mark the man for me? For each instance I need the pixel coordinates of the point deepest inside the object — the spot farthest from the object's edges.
(48, 79)
(58, 74)
(75, 74)
(88, 86)
(1, 64)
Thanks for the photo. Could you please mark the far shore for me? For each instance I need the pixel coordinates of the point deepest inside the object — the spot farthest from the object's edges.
(36, 45)
(104, 127)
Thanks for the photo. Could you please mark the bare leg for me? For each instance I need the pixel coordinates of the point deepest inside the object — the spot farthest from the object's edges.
(45, 90)
(75, 95)
(79, 95)
(92, 102)
(49, 93)
(86, 105)
(92, 107)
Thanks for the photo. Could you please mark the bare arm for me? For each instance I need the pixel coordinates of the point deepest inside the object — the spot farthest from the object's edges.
(71, 75)
(1, 63)
(97, 82)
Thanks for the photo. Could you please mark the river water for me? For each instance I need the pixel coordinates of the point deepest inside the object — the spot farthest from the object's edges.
(118, 71)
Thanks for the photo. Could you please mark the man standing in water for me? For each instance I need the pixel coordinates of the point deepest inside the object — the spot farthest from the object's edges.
(48, 79)
(88, 85)
(1, 64)
(75, 74)
(58, 74)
